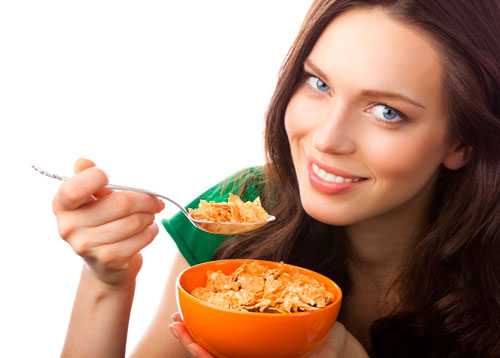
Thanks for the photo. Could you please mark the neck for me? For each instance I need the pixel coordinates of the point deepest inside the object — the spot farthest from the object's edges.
(376, 254)
(378, 249)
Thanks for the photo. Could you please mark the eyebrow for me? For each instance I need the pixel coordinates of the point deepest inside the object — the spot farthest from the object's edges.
(366, 93)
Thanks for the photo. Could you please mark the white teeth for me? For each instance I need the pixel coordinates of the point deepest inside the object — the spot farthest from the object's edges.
(332, 178)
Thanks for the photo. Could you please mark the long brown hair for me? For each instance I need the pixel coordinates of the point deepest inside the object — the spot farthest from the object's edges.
(450, 289)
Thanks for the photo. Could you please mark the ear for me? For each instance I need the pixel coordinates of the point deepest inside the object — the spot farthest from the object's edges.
(457, 157)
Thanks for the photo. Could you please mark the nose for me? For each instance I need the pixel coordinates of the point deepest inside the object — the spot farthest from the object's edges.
(334, 133)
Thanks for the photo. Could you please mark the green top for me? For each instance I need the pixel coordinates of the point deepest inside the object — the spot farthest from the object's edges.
(198, 246)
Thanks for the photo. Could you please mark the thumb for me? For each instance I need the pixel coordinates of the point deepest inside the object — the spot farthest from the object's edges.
(333, 344)
(83, 163)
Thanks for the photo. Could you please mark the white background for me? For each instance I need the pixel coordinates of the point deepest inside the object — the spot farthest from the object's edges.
(166, 95)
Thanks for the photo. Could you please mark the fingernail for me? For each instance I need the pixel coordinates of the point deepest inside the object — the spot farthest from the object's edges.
(174, 331)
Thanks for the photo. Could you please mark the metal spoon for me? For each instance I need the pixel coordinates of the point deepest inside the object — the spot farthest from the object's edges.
(221, 228)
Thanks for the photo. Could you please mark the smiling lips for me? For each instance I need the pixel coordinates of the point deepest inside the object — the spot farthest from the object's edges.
(331, 180)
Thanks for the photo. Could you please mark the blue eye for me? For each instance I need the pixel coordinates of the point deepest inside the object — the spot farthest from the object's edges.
(317, 84)
(387, 114)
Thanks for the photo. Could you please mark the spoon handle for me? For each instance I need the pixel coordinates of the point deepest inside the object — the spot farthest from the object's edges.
(117, 187)
(138, 190)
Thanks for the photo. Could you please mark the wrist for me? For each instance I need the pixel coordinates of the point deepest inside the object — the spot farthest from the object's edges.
(126, 283)
(114, 279)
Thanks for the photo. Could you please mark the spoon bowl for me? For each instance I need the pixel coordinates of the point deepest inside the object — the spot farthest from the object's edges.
(229, 227)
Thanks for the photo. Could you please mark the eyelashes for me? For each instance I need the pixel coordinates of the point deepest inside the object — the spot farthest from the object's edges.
(387, 114)
(315, 82)
(382, 112)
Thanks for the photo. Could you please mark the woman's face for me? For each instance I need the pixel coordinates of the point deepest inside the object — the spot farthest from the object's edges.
(368, 126)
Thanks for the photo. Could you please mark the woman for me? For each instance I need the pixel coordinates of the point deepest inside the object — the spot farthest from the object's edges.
(383, 172)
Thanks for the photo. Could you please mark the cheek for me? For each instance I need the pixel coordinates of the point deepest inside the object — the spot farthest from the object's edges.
(300, 117)
(407, 158)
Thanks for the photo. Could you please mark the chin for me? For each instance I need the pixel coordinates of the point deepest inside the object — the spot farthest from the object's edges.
(329, 215)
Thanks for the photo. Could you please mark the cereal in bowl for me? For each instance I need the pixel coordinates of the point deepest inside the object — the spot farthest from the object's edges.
(253, 287)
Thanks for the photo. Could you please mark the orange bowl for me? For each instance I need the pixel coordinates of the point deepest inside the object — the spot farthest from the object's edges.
(235, 334)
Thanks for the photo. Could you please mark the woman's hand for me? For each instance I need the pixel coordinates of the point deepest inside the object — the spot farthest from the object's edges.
(338, 344)
(179, 331)
(106, 228)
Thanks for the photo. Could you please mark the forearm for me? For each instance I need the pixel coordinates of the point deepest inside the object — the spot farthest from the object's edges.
(99, 320)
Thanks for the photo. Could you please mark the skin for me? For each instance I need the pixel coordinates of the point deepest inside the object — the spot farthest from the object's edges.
(335, 124)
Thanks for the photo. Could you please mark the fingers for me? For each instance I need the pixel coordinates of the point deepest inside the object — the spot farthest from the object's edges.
(353, 348)
(79, 189)
(180, 332)
(111, 232)
(127, 248)
(337, 335)
(116, 205)
(82, 164)
(333, 345)
(116, 255)
(340, 343)
(107, 229)
(87, 184)
(197, 351)
(176, 317)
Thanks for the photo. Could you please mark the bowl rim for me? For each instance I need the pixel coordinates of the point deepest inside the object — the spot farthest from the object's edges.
(336, 301)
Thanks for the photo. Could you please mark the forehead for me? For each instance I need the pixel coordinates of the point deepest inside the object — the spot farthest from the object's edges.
(368, 49)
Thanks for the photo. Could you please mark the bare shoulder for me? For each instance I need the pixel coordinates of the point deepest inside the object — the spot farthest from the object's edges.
(158, 341)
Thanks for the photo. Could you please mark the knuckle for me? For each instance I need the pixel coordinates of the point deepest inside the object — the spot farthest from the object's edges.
(135, 222)
(154, 228)
(150, 201)
(65, 228)
(99, 175)
(151, 237)
(81, 247)
(148, 219)
(152, 231)
(124, 202)
(139, 221)
(106, 256)
(146, 202)
(66, 194)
